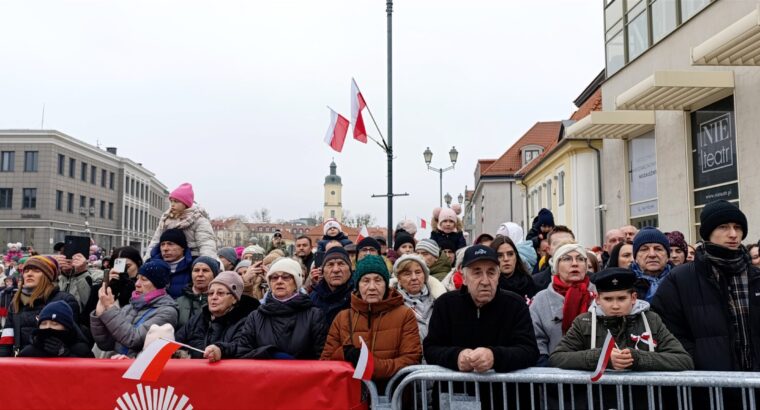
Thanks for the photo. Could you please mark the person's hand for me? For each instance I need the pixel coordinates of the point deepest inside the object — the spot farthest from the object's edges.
(621, 359)
(254, 271)
(481, 359)
(119, 357)
(63, 263)
(351, 354)
(316, 276)
(213, 353)
(463, 361)
(113, 275)
(55, 347)
(105, 299)
(79, 263)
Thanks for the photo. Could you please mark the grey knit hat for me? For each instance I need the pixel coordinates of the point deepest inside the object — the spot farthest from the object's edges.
(428, 245)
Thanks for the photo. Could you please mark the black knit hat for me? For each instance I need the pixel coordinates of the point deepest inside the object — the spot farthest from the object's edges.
(157, 272)
(174, 236)
(720, 212)
(337, 253)
(650, 234)
(402, 239)
(60, 312)
(368, 242)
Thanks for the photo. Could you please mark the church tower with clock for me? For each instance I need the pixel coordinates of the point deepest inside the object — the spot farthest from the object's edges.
(333, 195)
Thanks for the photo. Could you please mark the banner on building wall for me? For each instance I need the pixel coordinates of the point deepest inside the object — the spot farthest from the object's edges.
(643, 175)
(713, 139)
(184, 384)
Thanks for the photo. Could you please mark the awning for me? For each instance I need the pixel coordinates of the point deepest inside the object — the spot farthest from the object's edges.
(677, 90)
(611, 124)
(737, 44)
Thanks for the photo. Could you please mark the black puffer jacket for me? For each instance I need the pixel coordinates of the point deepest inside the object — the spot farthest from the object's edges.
(200, 331)
(521, 284)
(25, 321)
(694, 307)
(295, 329)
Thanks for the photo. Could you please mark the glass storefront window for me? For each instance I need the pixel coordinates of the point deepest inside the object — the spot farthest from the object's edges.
(663, 18)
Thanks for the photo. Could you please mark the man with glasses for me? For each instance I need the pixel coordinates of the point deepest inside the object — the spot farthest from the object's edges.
(367, 246)
(651, 252)
(333, 291)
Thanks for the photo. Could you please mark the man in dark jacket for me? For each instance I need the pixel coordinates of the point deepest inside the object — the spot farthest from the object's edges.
(712, 305)
(303, 250)
(173, 250)
(333, 293)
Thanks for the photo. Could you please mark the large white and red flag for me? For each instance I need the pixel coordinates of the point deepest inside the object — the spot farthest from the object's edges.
(604, 357)
(357, 105)
(363, 233)
(366, 364)
(336, 133)
(151, 361)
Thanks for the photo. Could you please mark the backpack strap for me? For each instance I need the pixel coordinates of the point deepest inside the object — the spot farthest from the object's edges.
(124, 349)
(593, 328)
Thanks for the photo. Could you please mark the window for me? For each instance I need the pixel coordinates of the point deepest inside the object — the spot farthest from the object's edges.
(613, 24)
(29, 198)
(7, 161)
(103, 209)
(332, 214)
(663, 18)
(110, 210)
(530, 155)
(549, 194)
(6, 198)
(30, 161)
(126, 186)
(111, 177)
(61, 164)
(93, 174)
(91, 210)
(70, 203)
(82, 202)
(690, 7)
(637, 28)
(561, 188)
(83, 175)
(59, 200)
(72, 167)
(103, 176)
(642, 167)
(126, 217)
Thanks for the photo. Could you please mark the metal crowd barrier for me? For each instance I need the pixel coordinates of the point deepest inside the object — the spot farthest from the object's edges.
(426, 387)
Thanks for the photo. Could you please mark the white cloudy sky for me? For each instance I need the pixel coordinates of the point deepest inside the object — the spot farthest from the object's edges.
(231, 95)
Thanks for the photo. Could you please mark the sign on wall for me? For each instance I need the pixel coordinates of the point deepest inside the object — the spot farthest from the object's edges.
(713, 140)
(642, 159)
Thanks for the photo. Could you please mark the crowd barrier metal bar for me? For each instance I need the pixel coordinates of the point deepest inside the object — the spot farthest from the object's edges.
(714, 382)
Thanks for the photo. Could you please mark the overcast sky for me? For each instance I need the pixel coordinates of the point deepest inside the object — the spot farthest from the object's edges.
(231, 95)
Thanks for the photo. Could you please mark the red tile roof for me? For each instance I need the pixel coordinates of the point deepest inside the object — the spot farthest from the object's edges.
(542, 133)
(593, 103)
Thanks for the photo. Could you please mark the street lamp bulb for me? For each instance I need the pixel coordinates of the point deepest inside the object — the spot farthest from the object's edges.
(447, 198)
(428, 154)
(453, 155)
(460, 198)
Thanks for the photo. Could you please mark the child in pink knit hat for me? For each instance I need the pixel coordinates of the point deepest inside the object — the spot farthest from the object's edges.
(191, 219)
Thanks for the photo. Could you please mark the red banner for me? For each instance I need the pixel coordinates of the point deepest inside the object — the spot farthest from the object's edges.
(228, 384)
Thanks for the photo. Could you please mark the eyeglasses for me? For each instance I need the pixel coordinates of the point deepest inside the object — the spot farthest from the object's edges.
(285, 278)
(219, 293)
(369, 250)
(570, 258)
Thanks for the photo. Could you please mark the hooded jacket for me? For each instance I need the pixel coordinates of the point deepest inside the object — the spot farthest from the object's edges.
(117, 328)
(294, 329)
(441, 267)
(202, 330)
(331, 302)
(340, 237)
(575, 351)
(388, 327)
(194, 223)
(181, 276)
(189, 304)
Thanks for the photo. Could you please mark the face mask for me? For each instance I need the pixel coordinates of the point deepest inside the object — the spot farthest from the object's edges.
(66, 336)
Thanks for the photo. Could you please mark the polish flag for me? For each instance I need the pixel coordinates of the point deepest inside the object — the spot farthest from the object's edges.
(151, 361)
(357, 105)
(363, 233)
(423, 224)
(336, 133)
(604, 357)
(366, 364)
(6, 337)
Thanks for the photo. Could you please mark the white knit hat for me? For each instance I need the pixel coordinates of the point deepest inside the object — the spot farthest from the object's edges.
(512, 231)
(331, 223)
(287, 265)
(564, 250)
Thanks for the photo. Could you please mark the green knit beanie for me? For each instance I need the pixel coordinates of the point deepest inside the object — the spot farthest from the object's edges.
(371, 264)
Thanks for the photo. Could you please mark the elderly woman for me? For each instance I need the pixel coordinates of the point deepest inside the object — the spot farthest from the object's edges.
(286, 326)
(222, 318)
(569, 294)
(514, 275)
(378, 315)
(193, 297)
(411, 278)
(36, 290)
(123, 329)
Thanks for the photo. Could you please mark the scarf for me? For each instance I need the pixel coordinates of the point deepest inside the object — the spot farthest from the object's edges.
(730, 269)
(286, 299)
(140, 300)
(421, 303)
(577, 299)
(653, 282)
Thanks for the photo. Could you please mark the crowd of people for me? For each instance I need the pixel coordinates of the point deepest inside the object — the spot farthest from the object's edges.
(507, 301)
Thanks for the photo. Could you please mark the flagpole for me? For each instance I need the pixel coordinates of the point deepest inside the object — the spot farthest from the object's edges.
(389, 150)
(183, 345)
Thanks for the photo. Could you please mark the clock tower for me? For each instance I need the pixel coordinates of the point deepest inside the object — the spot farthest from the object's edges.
(333, 195)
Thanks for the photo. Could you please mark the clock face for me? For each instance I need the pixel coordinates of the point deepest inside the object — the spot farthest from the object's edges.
(332, 193)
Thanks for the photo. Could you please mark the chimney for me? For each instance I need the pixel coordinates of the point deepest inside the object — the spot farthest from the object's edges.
(111, 150)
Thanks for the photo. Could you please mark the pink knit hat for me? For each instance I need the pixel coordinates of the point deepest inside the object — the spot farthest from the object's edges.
(184, 193)
(446, 214)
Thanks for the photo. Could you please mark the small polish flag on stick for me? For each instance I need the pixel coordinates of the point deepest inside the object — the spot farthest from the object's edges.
(336, 133)
(151, 361)
(363, 233)
(6, 337)
(357, 105)
(423, 224)
(366, 364)
(604, 357)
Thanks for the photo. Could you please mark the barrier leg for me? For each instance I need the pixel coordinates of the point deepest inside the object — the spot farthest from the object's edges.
(590, 396)
(619, 396)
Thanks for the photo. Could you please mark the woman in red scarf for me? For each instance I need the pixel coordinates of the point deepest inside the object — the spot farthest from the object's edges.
(570, 294)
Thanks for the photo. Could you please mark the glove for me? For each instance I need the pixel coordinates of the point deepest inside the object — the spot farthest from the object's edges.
(351, 354)
(55, 347)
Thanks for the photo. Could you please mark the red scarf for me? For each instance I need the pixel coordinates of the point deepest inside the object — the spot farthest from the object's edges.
(577, 299)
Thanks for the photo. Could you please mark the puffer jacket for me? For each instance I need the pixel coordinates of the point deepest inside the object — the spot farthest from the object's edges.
(195, 224)
(181, 276)
(24, 321)
(441, 267)
(117, 328)
(456, 238)
(202, 330)
(575, 352)
(189, 304)
(331, 302)
(294, 329)
(341, 237)
(388, 327)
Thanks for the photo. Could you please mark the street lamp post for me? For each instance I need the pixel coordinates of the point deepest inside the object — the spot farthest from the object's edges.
(447, 198)
(453, 155)
(86, 212)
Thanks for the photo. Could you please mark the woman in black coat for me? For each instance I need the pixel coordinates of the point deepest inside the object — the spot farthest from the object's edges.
(514, 275)
(222, 318)
(286, 326)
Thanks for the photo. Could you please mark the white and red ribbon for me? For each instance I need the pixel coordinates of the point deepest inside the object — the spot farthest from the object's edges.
(645, 338)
